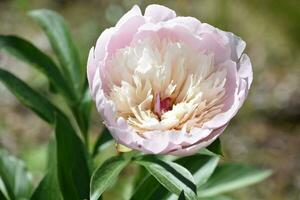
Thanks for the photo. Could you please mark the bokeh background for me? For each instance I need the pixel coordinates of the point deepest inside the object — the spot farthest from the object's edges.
(266, 131)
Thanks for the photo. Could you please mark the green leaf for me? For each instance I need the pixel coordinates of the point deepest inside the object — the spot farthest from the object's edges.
(216, 147)
(172, 176)
(28, 97)
(230, 177)
(102, 139)
(181, 196)
(147, 189)
(82, 112)
(48, 188)
(220, 197)
(27, 52)
(72, 167)
(62, 44)
(2, 196)
(15, 177)
(106, 175)
(201, 166)
(3, 190)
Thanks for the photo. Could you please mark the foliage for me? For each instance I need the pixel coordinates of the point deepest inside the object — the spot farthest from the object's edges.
(69, 174)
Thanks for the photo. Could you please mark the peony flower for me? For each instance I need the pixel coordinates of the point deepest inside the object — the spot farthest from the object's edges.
(165, 84)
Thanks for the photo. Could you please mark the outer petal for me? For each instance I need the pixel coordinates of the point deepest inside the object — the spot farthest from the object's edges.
(245, 69)
(223, 118)
(212, 39)
(237, 45)
(157, 13)
(91, 67)
(120, 38)
(191, 23)
(172, 29)
(200, 144)
(135, 11)
(155, 142)
(232, 102)
(101, 45)
(231, 84)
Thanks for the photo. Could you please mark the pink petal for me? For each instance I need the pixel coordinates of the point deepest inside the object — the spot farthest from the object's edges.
(200, 144)
(121, 37)
(101, 45)
(245, 69)
(231, 82)
(91, 67)
(204, 42)
(237, 45)
(157, 13)
(190, 23)
(135, 11)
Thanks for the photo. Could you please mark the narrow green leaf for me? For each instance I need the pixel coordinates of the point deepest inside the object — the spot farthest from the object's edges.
(229, 177)
(48, 188)
(172, 176)
(104, 137)
(3, 190)
(3, 197)
(62, 44)
(82, 112)
(181, 196)
(27, 52)
(219, 197)
(104, 176)
(207, 152)
(147, 188)
(201, 166)
(15, 177)
(216, 147)
(28, 97)
(72, 167)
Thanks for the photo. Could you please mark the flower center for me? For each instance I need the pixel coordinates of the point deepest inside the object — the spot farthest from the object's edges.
(161, 84)
(162, 105)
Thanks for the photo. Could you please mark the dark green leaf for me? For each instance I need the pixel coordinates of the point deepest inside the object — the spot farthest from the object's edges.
(172, 176)
(229, 177)
(82, 113)
(221, 197)
(72, 167)
(28, 97)
(216, 147)
(102, 139)
(61, 42)
(105, 175)
(2, 196)
(201, 166)
(181, 196)
(48, 188)
(27, 52)
(3, 191)
(15, 177)
(147, 189)
(207, 152)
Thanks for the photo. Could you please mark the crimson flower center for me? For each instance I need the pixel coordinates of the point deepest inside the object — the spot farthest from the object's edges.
(162, 105)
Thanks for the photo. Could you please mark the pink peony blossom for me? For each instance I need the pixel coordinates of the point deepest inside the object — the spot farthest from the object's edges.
(165, 84)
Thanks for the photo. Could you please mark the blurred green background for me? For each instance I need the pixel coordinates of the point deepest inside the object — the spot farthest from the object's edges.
(266, 132)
